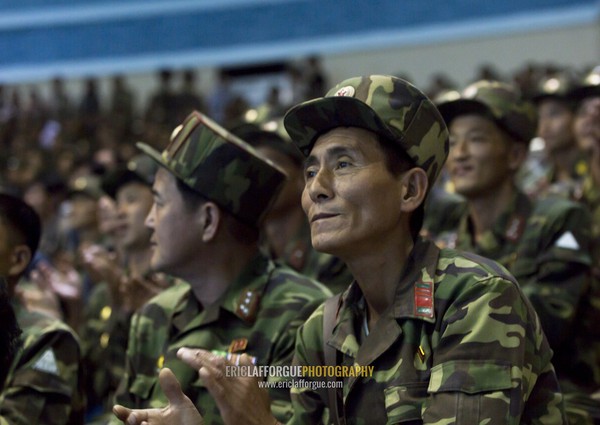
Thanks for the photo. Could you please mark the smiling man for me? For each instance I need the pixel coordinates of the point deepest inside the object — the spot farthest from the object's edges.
(545, 244)
(449, 336)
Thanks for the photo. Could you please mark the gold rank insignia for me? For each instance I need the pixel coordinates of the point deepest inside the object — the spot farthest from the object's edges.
(104, 339)
(160, 362)
(105, 313)
(238, 345)
(248, 305)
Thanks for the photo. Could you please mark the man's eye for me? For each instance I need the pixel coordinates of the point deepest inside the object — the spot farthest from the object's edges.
(310, 174)
(343, 164)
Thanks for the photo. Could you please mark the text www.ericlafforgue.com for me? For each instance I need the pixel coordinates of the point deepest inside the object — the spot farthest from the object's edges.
(300, 383)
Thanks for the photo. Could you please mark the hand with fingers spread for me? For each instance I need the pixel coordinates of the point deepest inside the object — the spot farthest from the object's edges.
(239, 399)
(103, 266)
(180, 411)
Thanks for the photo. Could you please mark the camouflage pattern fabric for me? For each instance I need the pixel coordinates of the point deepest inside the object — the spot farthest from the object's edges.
(591, 198)
(460, 344)
(221, 167)
(545, 244)
(538, 179)
(44, 385)
(501, 102)
(386, 105)
(260, 313)
(103, 344)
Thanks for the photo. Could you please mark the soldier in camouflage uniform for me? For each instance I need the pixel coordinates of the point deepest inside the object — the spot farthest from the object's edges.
(587, 132)
(562, 166)
(285, 227)
(44, 384)
(125, 282)
(211, 193)
(451, 336)
(544, 243)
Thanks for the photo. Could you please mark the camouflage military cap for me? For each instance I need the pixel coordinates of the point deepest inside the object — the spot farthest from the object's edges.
(141, 169)
(388, 106)
(556, 86)
(589, 86)
(221, 167)
(90, 186)
(501, 102)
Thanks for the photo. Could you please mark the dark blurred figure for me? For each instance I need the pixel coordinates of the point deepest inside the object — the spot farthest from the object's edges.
(220, 97)
(60, 105)
(45, 196)
(121, 108)
(315, 81)
(188, 98)
(161, 108)
(89, 109)
(440, 83)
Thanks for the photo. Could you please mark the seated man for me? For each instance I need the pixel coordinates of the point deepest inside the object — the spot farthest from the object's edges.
(210, 196)
(544, 243)
(44, 384)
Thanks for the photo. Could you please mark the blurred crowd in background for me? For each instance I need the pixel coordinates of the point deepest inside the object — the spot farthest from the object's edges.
(57, 150)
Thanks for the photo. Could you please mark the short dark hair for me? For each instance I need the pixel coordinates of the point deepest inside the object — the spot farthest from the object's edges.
(9, 332)
(397, 162)
(243, 232)
(23, 221)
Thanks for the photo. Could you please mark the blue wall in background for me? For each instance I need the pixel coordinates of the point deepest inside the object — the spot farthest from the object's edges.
(42, 38)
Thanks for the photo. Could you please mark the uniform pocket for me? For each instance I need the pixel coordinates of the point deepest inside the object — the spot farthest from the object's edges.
(403, 404)
(469, 392)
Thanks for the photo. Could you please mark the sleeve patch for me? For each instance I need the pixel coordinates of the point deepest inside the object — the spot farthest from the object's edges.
(47, 363)
(567, 241)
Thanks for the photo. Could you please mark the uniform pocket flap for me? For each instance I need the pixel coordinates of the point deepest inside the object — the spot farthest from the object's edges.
(142, 386)
(470, 377)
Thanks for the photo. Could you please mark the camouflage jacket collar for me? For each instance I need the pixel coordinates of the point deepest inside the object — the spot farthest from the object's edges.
(253, 279)
(414, 299)
(504, 235)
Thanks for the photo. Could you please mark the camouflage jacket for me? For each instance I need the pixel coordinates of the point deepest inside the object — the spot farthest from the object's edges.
(103, 344)
(44, 385)
(538, 178)
(327, 269)
(546, 246)
(259, 314)
(459, 344)
(591, 198)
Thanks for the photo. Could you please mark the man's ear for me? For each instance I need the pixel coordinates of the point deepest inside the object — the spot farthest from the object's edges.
(19, 260)
(517, 155)
(414, 188)
(210, 218)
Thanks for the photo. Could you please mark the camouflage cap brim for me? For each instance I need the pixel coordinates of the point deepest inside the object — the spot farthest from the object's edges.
(308, 120)
(221, 167)
(580, 93)
(156, 156)
(455, 108)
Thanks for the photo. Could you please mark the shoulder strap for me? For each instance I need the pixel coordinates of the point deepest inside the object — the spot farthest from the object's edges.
(330, 357)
